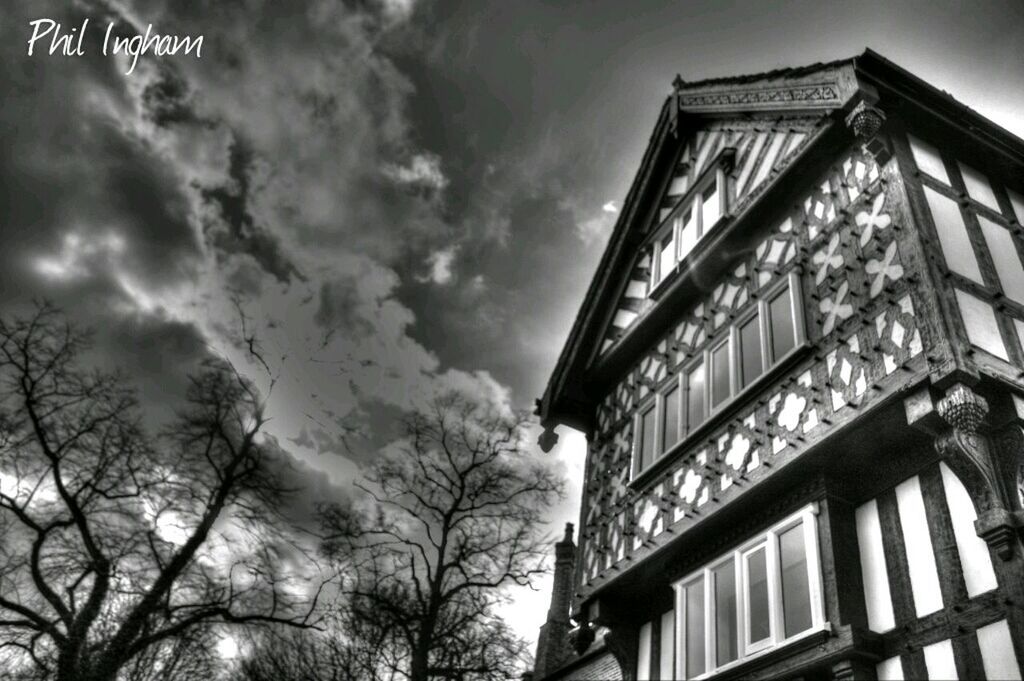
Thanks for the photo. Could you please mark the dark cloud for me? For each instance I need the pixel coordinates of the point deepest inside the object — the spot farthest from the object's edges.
(236, 230)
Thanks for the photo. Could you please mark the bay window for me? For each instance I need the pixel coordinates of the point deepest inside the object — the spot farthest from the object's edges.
(762, 595)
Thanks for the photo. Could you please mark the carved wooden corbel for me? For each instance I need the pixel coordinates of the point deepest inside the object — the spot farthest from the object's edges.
(865, 121)
(975, 458)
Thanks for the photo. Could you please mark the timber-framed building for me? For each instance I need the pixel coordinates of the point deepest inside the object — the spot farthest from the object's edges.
(800, 370)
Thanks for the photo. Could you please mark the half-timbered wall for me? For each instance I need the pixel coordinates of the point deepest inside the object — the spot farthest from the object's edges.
(763, 148)
(847, 242)
(970, 224)
(921, 558)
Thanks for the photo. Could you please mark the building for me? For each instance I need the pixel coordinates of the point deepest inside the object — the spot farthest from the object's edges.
(801, 374)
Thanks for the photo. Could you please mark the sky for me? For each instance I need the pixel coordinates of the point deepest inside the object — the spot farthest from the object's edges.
(398, 197)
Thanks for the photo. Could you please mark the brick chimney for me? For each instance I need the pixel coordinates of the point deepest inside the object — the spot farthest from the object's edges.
(553, 649)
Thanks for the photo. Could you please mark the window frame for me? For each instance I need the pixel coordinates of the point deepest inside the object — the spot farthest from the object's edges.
(673, 224)
(768, 539)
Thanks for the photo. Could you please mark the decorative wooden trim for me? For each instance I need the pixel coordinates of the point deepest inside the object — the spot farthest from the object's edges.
(970, 454)
(824, 94)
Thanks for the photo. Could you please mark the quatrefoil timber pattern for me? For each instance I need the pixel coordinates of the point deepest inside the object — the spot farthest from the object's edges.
(764, 147)
(844, 240)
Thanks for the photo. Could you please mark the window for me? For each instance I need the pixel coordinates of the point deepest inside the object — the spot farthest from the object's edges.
(696, 404)
(696, 216)
(647, 437)
(781, 326)
(658, 426)
(764, 594)
(667, 256)
(721, 381)
(757, 342)
(670, 417)
(751, 357)
(743, 354)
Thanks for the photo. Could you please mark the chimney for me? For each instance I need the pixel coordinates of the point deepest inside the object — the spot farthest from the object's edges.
(553, 649)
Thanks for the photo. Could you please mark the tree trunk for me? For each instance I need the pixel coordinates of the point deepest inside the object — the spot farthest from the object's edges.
(419, 667)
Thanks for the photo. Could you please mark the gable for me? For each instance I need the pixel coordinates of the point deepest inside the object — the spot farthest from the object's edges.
(763, 147)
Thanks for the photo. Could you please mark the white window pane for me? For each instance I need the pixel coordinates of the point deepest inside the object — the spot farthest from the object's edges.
(1017, 201)
(781, 316)
(688, 237)
(928, 160)
(721, 386)
(796, 590)
(668, 258)
(710, 208)
(1004, 254)
(956, 246)
(980, 322)
(670, 419)
(694, 629)
(725, 613)
(695, 397)
(758, 626)
(978, 187)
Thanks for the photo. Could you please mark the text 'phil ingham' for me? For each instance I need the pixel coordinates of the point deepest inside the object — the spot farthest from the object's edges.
(69, 44)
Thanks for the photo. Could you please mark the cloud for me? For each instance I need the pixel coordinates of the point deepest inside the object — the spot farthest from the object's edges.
(423, 170)
(440, 264)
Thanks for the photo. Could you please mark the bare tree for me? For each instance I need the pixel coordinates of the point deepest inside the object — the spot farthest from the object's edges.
(117, 543)
(458, 514)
